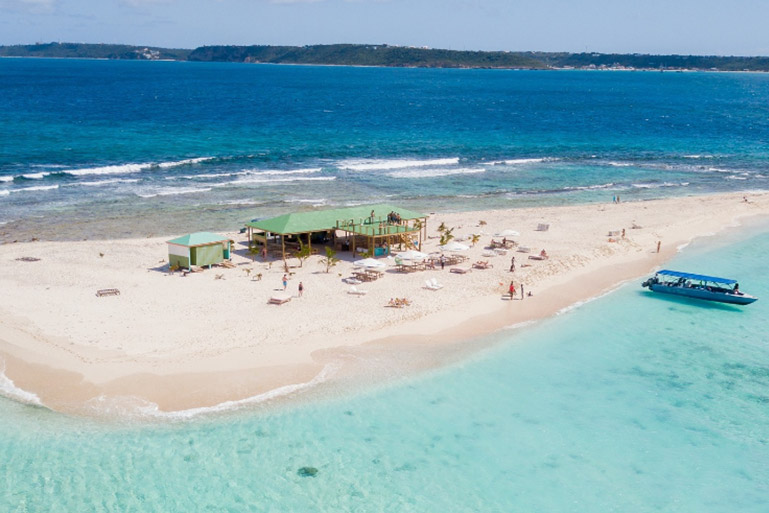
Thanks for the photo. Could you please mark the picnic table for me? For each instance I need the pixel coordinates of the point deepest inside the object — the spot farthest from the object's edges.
(368, 275)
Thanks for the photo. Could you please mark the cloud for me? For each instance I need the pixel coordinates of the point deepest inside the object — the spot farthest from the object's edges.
(32, 6)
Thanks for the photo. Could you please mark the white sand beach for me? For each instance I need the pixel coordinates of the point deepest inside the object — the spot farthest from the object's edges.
(184, 342)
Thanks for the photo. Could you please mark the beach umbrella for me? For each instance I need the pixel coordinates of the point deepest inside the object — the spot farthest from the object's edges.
(369, 263)
(507, 233)
(454, 246)
(412, 254)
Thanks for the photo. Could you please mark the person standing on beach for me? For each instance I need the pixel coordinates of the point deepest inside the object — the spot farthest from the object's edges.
(285, 282)
(443, 262)
(512, 265)
(301, 289)
(512, 291)
(521, 291)
(659, 243)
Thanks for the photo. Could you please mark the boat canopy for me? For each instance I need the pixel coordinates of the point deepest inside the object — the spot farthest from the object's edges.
(701, 277)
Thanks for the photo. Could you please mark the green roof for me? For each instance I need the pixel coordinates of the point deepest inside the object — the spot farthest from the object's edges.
(198, 239)
(322, 220)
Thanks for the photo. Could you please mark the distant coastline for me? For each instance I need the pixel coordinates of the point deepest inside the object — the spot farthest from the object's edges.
(382, 55)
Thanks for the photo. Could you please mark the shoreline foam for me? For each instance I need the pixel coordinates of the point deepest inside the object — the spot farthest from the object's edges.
(187, 358)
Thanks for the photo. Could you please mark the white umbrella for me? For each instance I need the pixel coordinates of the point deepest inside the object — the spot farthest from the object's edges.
(369, 263)
(454, 246)
(507, 233)
(412, 254)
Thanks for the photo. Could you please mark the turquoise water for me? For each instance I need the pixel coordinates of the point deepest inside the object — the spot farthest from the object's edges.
(106, 149)
(632, 402)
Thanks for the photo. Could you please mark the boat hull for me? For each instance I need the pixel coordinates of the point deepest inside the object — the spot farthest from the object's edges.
(706, 295)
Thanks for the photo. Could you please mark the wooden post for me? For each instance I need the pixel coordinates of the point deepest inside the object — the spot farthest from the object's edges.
(309, 241)
(420, 240)
(283, 245)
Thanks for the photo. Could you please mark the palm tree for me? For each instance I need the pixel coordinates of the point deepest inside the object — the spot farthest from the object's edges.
(446, 236)
(303, 253)
(331, 260)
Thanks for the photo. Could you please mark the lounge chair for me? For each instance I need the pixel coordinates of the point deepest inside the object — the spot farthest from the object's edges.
(356, 291)
(107, 292)
(353, 281)
(524, 249)
(279, 299)
(460, 270)
(543, 227)
(482, 264)
(433, 284)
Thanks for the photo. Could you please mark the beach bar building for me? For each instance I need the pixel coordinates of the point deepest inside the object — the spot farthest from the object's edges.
(366, 228)
(201, 249)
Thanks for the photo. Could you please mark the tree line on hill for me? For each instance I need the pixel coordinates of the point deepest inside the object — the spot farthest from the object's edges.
(390, 56)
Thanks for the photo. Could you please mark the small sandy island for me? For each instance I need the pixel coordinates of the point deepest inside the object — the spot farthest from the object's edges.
(172, 343)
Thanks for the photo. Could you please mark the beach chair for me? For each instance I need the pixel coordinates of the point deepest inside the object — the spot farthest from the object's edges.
(524, 249)
(356, 291)
(107, 292)
(433, 284)
(460, 270)
(279, 299)
(543, 227)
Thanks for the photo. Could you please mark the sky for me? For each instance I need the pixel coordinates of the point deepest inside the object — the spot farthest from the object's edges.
(701, 27)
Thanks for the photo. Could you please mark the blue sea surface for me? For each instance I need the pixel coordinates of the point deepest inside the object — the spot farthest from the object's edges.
(632, 402)
(116, 148)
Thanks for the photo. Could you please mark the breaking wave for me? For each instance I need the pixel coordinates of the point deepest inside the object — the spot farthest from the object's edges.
(434, 173)
(386, 165)
(9, 389)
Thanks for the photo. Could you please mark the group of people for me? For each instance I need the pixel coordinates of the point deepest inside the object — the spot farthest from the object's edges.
(285, 285)
(511, 290)
(398, 302)
(394, 218)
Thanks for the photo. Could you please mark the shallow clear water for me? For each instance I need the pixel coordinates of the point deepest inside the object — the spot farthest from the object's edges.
(105, 149)
(632, 402)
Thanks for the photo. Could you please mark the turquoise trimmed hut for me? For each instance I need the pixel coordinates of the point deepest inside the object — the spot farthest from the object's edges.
(200, 248)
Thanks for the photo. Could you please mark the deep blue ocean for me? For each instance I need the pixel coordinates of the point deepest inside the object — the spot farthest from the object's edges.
(116, 148)
(628, 403)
